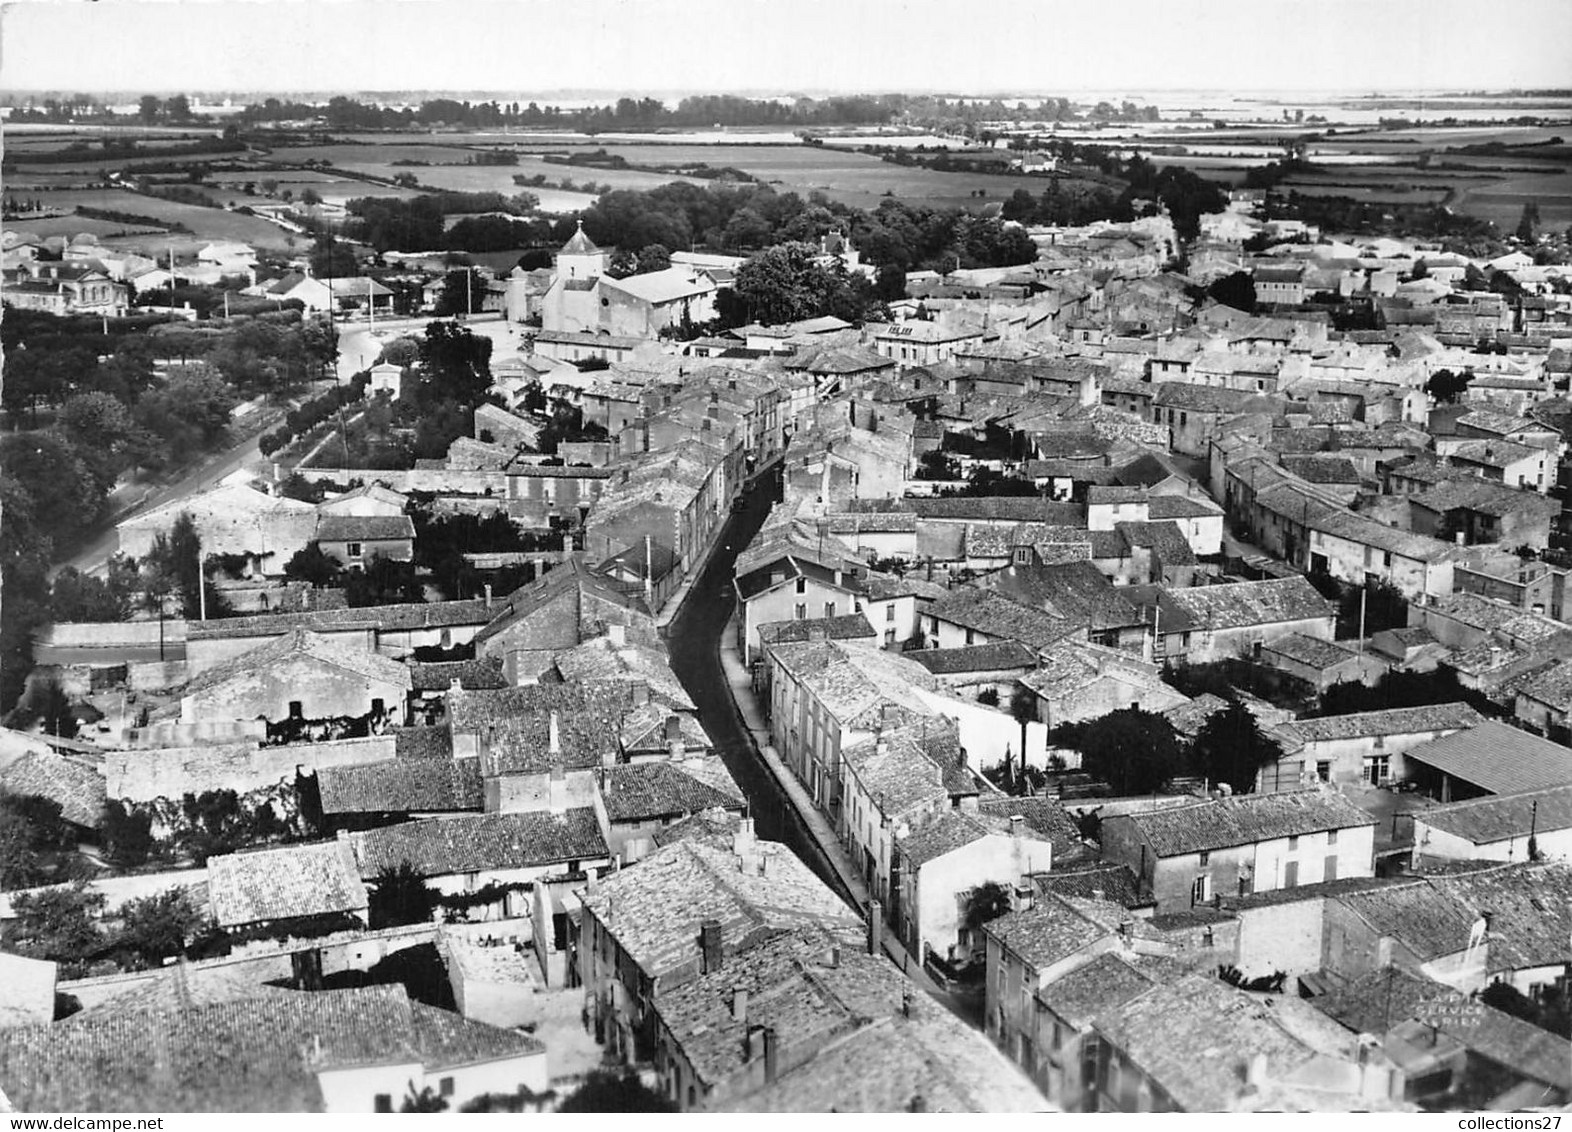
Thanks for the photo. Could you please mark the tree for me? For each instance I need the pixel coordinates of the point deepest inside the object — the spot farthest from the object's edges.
(1023, 709)
(462, 292)
(1134, 751)
(79, 597)
(147, 108)
(1232, 748)
(1236, 290)
(622, 264)
(176, 564)
(309, 196)
(178, 108)
(400, 896)
(127, 833)
(59, 924)
(310, 564)
(1421, 270)
(159, 926)
(427, 1100)
(1446, 387)
(331, 259)
(1528, 225)
(106, 437)
(455, 365)
(46, 701)
(382, 581)
(988, 901)
(33, 840)
(654, 257)
(615, 1090)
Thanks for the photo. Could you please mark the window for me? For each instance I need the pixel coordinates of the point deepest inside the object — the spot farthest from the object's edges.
(446, 1087)
(1323, 770)
(1201, 890)
(296, 710)
(970, 636)
(889, 612)
(1206, 858)
(802, 611)
(1290, 874)
(829, 609)
(1293, 844)
(889, 636)
(1378, 769)
(802, 585)
(1331, 867)
(384, 1102)
(1331, 839)
(353, 549)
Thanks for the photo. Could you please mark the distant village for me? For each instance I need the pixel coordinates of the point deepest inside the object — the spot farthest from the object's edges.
(1128, 701)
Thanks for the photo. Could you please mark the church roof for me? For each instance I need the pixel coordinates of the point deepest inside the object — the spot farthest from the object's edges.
(579, 243)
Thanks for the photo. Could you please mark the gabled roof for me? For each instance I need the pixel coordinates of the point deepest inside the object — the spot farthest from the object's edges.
(480, 843)
(1497, 758)
(1236, 605)
(77, 785)
(1107, 982)
(404, 785)
(998, 616)
(1046, 933)
(283, 884)
(643, 791)
(1387, 721)
(1499, 818)
(1244, 820)
(993, 657)
(299, 644)
(579, 243)
(567, 582)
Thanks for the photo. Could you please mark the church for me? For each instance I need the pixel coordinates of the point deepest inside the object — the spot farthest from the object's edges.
(583, 299)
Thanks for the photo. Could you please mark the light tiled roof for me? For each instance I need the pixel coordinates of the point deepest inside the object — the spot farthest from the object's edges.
(1484, 820)
(1105, 983)
(848, 627)
(446, 1040)
(654, 910)
(1497, 758)
(1387, 721)
(281, 884)
(1237, 604)
(514, 724)
(364, 528)
(76, 785)
(1311, 651)
(402, 785)
(1552, 687)
(993, 657)
(998, 616)
(388, 618)
(480, 843)
(297, 644)
(1049, 931)
(1245, 820)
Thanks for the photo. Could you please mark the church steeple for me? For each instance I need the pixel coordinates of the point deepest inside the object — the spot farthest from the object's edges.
(580, 258)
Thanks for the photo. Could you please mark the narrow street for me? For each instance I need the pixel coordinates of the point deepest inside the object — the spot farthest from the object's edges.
(694, 643)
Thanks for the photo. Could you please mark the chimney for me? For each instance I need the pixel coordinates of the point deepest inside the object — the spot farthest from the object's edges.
(1256, 1074)
(875, 927)
(743, 841)
(710, 950)
(488, 595)
(617, 633)
(739, 1005)
(1017, 825)
(906, 1000)
(557, 790)
(772, 1055)
(835, 956)
(554, 745)
(1097, 894)
(673, 728)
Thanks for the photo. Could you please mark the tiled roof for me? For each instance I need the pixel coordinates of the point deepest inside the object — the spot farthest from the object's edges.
(1552, 687)
(993, 657)
(76, 785)
(932, 1061)
(446, 1040)
(896, 770)
(1497, 758)
(1484, 820)
(480, 842)
(437, 676)
(953, 830)
(514, 724)
(1008, 508)
(1180, 507)
(1320, 468)
(848, 627)
(422, 742)
(1049, 931)
(654, 910)
(1195, 1039)
(1245, 820)
(998, 616)
(1237, 604)
(641, 791)
(281, 884)
(297, 643)
(1114, 884)
(1388, 721)
(565, 585)
(364, 528)
(1311, 651)
(1104, 983)
(714, 827)
(387, 618)
(1376, 1002)
(408, 785)
(1164, 537)
(1043, 814)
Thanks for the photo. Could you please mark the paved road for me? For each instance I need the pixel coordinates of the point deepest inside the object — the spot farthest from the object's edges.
(694, 643)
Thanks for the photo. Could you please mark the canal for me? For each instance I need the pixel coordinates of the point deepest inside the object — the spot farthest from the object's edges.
(694, 639)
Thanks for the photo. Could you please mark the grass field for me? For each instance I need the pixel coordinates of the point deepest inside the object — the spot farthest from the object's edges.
(206, 224)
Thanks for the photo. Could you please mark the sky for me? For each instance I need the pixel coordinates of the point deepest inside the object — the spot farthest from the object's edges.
(961, 46)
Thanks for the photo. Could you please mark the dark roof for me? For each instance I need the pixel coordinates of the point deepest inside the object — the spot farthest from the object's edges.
(1000, 616)
(1043, 814)
(1483, 820)
(1076, 592)
(1106, 982)
(568, 581)
(76, 785)
(1164, 537)
(993, 657)
(1046, 933)
(1114, 883)
(1237, 604)
(515, 724)
(642, 791)
(1322, 468)
(438, 676)
(847, 627)
(1244, 820)
(484, 842)
(364, 528)
(422, 742)
(1013, 508)
(402, 786)
(408, 615)
(1377, 1001)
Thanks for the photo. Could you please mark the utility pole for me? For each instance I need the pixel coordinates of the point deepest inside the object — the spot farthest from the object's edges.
(201, 584)
(1364, 594)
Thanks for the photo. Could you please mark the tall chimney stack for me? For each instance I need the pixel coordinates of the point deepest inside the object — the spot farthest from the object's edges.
(555, 743)
(875, 927)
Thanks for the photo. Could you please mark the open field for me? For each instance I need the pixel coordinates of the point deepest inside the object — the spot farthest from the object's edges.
(206, 224)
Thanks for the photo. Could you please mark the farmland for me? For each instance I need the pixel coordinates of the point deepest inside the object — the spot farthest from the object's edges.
(206, 224)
